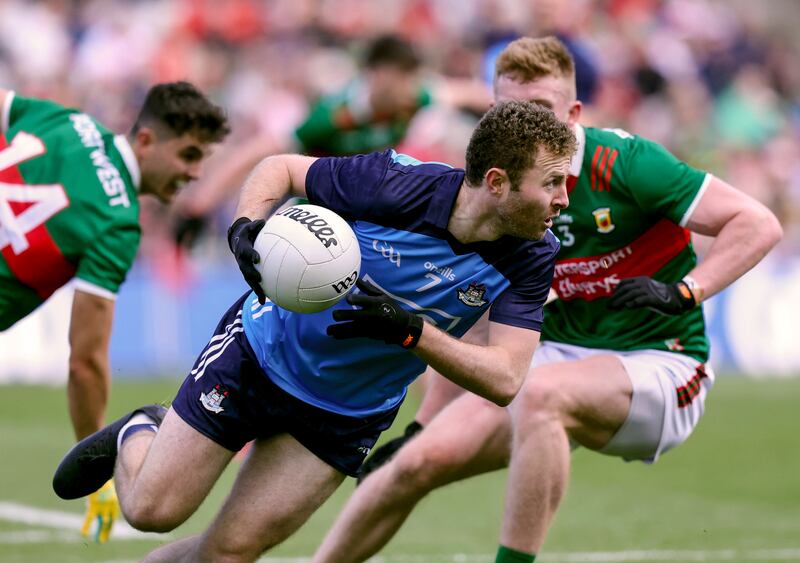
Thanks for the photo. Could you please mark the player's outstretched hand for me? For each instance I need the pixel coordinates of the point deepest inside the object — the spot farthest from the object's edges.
(241, 236)
(386, 452)
(186, 229)
(102, 510)
(377, 316)
(642, 291)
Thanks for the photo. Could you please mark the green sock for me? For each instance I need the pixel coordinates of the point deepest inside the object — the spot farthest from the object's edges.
(508, 555)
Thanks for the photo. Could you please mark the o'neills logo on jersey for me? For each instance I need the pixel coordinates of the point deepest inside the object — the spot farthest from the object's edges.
(314, 223)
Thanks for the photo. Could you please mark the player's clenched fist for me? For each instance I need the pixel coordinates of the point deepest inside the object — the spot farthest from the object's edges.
(378, 316)
(642, 291)
(241, 237)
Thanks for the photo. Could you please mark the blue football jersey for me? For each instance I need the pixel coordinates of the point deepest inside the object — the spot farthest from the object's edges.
(399, 209)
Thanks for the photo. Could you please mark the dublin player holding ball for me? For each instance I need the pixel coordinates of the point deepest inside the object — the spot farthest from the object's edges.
(316, 390)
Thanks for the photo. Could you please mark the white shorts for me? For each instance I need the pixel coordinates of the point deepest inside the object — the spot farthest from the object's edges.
(669, 392)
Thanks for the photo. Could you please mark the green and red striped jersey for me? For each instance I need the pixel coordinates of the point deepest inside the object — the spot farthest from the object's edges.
(627, 214)
(68, 205)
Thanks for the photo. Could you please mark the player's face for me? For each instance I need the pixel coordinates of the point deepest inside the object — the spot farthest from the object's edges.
(170, 163)
(555, 93)
(394, 91)
(528, 211)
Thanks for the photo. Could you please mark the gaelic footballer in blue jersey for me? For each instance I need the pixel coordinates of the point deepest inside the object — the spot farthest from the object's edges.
(440, 247)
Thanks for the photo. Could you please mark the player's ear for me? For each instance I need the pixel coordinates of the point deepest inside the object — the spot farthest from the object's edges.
(497, 181)
(574, 114)
(145, 137)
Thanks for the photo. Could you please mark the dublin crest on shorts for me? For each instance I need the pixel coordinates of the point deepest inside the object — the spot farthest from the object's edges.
(213, 400)
(473, 295)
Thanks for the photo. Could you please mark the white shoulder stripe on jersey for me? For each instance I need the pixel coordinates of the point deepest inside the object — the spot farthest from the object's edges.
(6, 113)
(211, 359)
(262, 311)
(700, 192)
(88, 287)
(255, 305)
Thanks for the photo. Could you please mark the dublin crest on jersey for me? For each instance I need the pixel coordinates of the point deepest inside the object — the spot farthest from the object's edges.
(473, 295)
(213, 400)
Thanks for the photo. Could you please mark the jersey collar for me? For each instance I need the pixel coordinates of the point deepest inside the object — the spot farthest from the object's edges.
(5, 113)
(577, 159)
(124, 148)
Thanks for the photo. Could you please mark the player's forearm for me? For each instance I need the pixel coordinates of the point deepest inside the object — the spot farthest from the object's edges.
(88, 389)
(488, 371)
(739, 245)
(266, 185)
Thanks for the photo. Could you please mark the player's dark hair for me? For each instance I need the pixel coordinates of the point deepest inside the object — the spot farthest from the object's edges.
(390, 50)
(509, 137)
(182, 108)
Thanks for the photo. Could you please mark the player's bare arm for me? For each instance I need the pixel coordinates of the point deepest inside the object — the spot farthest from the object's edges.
(89, 373)
(495, 371)
(270, 181)
(744, 231)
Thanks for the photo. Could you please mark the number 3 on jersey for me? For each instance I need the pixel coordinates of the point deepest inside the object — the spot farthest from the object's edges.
(24, 207)
(566, 237)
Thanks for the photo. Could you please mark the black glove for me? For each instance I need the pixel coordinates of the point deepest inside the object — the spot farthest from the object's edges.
(241, 236)
(379, 317)
(383, 454)
(642, 291)
(187, 229)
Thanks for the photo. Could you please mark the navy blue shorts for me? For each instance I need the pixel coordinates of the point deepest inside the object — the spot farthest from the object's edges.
(229, 398)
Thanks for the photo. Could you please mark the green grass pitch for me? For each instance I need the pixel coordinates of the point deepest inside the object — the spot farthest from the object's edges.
(732, 492)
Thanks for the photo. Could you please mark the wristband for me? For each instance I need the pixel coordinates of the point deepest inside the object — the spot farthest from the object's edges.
(694, 289)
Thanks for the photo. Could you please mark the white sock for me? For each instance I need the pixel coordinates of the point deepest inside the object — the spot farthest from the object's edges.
(139, 419)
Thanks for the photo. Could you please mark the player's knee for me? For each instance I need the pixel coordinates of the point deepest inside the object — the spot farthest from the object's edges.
(540, 399)
(152, 516)
(416, 469)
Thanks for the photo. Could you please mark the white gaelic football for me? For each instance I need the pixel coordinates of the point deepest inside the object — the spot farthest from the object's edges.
(310, 258)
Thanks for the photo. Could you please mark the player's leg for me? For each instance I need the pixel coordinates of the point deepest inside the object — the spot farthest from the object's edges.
(207, 424)
(152, 494)
(279, 486)
(586, 400)
(470, 436)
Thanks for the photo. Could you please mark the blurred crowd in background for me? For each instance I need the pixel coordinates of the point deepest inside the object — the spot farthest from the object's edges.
(717, 82)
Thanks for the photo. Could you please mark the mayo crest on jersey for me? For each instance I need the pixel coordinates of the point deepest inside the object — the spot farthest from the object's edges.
(626, 217)
(399, 209)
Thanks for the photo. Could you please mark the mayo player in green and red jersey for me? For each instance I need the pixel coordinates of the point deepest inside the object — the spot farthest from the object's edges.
(69, 210)
(621, 368)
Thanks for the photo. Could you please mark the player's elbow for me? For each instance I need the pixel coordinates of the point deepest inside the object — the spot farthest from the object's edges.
(507, 388)
(767, 230)
(771, 229)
